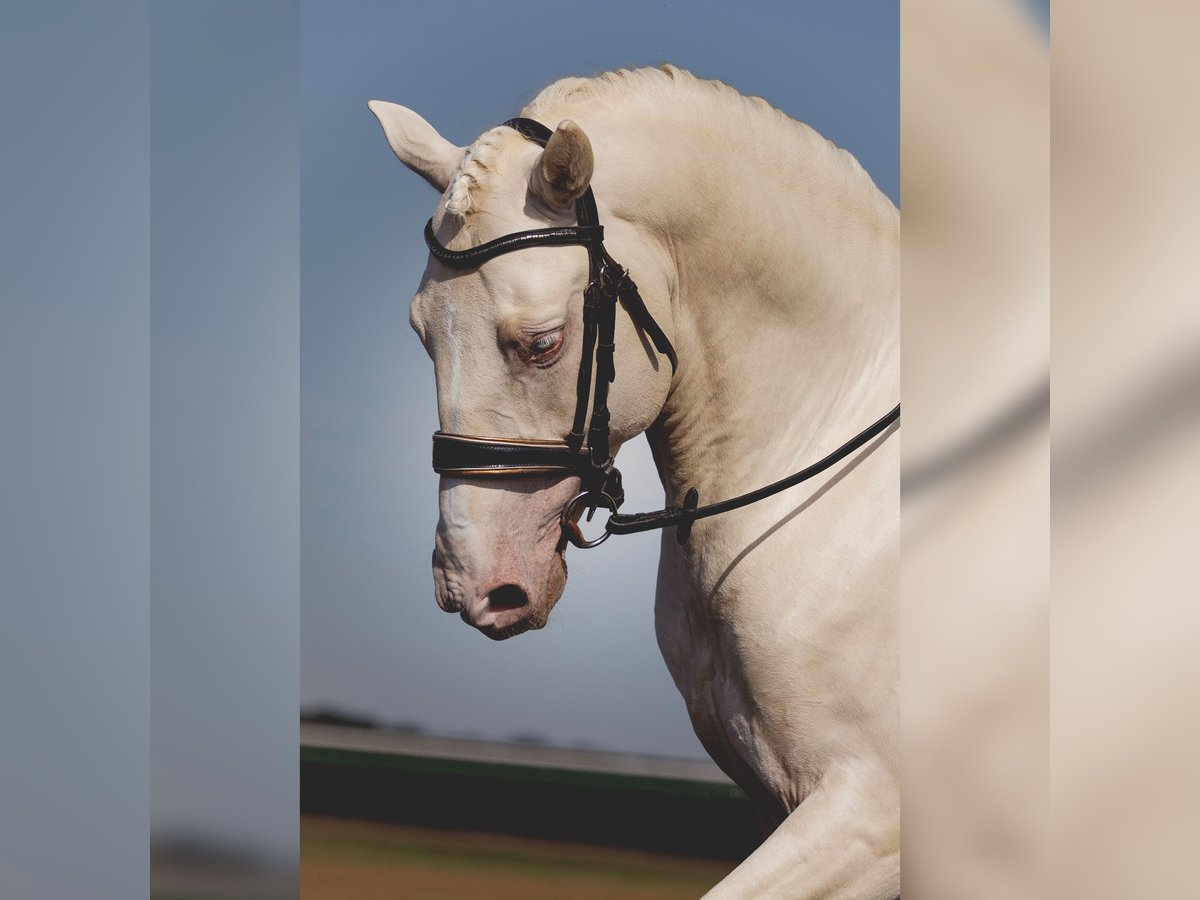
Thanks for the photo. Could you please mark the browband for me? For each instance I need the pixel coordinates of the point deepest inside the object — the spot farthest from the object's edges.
(538, 237)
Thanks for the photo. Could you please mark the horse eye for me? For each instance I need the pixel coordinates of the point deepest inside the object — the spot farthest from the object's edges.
(543, 346)
(545, 343)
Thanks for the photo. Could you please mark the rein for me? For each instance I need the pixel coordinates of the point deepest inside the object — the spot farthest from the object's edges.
(585, 451)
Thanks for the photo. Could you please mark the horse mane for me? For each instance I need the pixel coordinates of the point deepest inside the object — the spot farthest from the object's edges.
(665, 90)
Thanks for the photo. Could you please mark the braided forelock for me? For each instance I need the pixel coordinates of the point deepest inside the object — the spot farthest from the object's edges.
(479, 160)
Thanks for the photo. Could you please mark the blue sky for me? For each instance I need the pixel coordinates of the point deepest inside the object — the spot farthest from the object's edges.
(372, 637)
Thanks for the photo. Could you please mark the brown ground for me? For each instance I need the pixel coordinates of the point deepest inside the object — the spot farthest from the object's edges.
(350, 860)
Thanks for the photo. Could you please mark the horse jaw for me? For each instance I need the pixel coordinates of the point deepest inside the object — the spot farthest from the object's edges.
(498, 551)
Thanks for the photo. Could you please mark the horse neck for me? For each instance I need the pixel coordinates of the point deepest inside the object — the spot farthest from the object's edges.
(785, 306)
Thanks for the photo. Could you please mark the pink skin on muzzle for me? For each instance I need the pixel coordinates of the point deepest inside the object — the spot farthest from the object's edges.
(498, 551)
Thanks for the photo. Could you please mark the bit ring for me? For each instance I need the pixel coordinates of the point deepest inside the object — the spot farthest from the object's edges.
(571, 512)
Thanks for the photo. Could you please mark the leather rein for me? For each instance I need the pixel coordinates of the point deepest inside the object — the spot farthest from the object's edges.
(585, 451)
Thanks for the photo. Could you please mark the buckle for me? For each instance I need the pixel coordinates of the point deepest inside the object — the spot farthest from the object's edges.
(612, 276)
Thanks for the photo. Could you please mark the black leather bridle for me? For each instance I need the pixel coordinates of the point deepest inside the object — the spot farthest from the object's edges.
(585, 450)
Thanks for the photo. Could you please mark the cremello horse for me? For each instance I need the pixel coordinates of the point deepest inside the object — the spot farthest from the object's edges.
(772, 261)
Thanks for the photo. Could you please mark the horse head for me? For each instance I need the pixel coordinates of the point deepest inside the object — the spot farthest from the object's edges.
(505, 338)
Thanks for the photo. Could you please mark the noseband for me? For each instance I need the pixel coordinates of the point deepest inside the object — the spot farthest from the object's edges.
(585, 450)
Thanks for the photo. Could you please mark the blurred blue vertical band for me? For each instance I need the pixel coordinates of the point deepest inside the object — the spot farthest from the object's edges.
(74, 419)
(1041, 9)
(224, 215)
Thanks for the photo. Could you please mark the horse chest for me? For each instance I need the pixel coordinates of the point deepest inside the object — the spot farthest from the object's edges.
(715, 675)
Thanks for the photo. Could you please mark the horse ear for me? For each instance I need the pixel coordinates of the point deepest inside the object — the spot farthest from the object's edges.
(565, 167)
(417, 144)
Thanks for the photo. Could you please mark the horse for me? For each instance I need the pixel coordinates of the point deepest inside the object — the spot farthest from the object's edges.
(771, 260)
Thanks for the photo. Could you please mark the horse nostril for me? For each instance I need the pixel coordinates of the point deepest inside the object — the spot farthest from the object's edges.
(507, 596)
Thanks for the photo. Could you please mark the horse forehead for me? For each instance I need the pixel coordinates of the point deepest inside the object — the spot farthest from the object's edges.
(492, 181)
(532, 283)
(448, 306)
(533, 276)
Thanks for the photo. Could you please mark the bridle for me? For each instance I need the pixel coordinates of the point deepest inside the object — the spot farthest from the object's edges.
(585, 449)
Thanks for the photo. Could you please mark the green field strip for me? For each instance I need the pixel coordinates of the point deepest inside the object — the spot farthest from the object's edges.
(440, 766)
